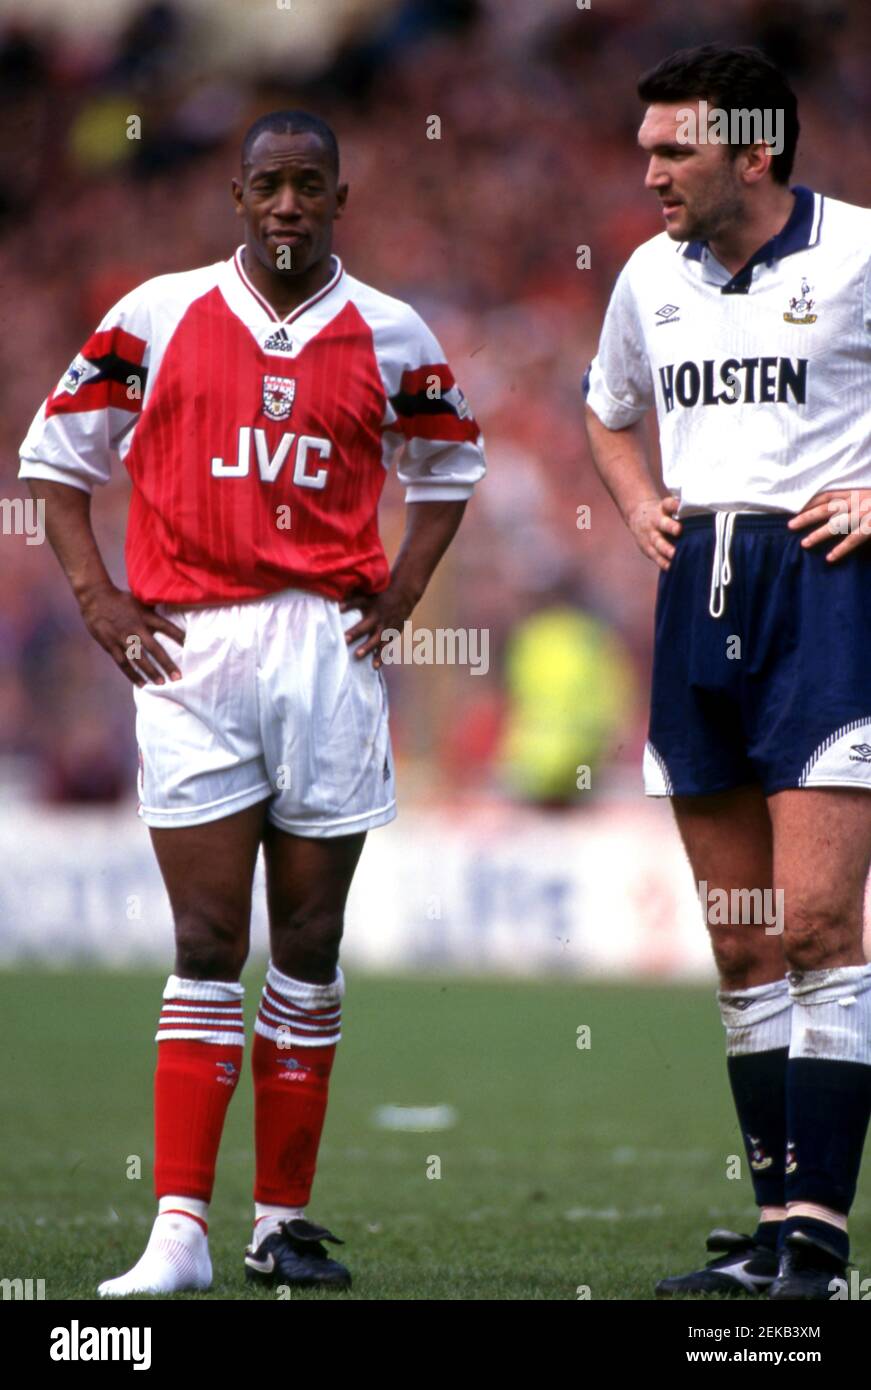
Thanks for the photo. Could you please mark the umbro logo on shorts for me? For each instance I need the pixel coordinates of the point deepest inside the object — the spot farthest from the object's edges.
(862, 753)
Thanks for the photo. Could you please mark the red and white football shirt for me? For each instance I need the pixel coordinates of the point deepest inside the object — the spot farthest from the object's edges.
(257, 446)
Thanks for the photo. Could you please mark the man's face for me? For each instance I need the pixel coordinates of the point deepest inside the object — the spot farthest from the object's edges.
(698, 185)
(289, 200)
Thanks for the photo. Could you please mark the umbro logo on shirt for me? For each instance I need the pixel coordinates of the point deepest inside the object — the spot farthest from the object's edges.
(279, 342)
(667, 314)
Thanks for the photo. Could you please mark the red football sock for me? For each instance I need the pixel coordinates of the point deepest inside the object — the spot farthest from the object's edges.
(199, 1057)
(291, 1083)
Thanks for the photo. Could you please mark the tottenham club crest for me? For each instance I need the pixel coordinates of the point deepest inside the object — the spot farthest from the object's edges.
(800, 307)
(759, 1159)
(278, 394)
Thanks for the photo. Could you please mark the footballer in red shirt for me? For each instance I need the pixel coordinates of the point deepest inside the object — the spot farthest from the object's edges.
(257, 405)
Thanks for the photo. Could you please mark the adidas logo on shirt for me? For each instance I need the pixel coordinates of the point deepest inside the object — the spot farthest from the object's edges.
(279, 342)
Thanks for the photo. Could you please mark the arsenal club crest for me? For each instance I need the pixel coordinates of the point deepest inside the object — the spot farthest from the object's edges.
(278, 394)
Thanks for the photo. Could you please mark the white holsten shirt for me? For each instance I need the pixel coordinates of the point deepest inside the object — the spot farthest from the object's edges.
(761, 380)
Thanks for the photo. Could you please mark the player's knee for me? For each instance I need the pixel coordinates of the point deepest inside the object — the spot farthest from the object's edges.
(817, 934)
(739, 952)
(210, 945)
(311, 938)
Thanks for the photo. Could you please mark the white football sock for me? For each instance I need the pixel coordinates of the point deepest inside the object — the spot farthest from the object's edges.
(831, 1013)
(193, 1206)
(267, 1219)
(756, 1019)
(175, 1258)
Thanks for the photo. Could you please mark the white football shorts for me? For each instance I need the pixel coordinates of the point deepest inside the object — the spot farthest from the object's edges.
(273, 705)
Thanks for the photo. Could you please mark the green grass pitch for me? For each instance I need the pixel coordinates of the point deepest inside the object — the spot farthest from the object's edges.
(603, 1166)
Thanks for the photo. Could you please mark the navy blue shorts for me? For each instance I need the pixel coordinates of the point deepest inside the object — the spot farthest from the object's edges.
(775, 691)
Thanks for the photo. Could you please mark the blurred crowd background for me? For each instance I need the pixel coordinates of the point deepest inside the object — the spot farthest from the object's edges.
(479, 230)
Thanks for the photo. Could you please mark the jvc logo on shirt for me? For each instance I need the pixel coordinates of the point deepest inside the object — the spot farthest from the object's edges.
(752, 379)
(299, 447)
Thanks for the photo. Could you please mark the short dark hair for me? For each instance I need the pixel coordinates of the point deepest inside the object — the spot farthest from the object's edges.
(292, 123)
(729, 78)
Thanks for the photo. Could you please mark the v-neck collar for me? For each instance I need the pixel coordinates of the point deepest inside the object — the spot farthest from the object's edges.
(300, 308)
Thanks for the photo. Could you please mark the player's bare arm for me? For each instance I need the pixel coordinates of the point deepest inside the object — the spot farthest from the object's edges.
(430, 528)
(827, 513)
(621, 462)
(114, 618)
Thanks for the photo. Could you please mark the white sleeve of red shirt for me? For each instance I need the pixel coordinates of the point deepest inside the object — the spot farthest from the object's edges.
(90, 414)
(428, 425)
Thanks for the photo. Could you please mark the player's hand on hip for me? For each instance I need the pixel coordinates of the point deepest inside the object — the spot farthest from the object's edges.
(840, 512)
(651, 523)
(125, 628)
(382, 614)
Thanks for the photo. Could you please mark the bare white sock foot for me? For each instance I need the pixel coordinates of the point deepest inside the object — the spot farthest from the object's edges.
(175, 1258)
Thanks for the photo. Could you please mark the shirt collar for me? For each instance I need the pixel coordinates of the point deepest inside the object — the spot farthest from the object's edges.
(801, 231)
(338, 272)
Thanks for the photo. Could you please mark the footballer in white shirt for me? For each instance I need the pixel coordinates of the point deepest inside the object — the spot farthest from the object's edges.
(746, 325)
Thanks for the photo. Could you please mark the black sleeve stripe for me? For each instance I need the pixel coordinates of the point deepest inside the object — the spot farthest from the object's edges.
(421, 404)
(114, 368)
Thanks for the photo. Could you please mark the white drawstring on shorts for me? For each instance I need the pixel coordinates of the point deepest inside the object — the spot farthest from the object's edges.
(721, 572)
